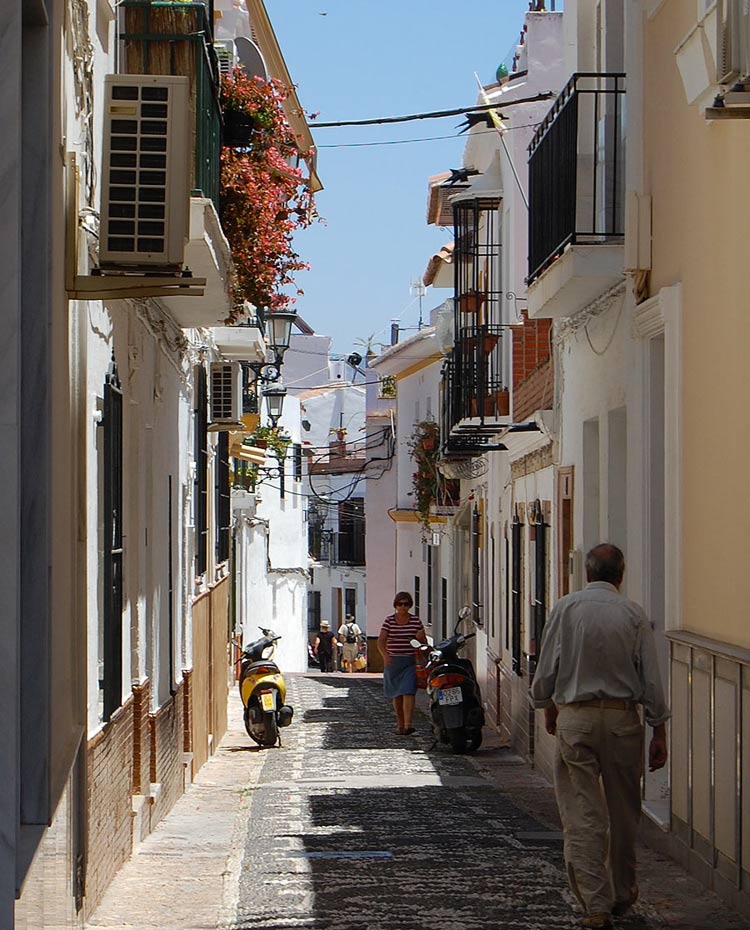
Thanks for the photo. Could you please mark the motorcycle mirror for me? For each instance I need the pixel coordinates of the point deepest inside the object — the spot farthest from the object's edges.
(415, 644)
(464, 613)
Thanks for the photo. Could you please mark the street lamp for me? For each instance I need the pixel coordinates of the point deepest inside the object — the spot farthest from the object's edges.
(275, 401)
(278, 330)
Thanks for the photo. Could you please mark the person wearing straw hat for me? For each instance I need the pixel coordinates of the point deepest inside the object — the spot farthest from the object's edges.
(325, 643)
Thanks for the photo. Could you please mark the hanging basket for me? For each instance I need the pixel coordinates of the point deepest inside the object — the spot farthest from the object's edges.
(238, 129)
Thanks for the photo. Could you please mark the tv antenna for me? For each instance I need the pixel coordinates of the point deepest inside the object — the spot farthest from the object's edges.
(417, 289)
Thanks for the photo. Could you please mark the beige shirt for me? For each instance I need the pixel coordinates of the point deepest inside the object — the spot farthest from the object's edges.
(598, 644)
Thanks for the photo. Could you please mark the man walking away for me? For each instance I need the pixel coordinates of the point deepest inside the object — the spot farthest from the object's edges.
(325, 644)
(597, 664)
(349, 634)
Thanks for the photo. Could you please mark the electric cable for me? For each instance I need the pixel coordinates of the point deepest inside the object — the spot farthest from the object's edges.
(434, 114)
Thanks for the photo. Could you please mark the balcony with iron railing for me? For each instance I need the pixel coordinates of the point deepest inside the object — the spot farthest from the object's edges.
(168, 37)
(475, 396)
(346, 547)
(576, 196)
(475, 400)
(175, 38)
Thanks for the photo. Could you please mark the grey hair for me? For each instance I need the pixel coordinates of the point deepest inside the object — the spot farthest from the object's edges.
(605, 562)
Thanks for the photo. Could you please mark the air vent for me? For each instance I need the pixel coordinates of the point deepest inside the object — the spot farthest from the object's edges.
(226, 56)
(226, 395)
(145, 171)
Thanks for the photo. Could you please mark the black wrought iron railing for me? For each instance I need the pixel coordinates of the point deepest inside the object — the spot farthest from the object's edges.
(175, 38)
(342, 548)
(350, 547)
(577, 169)
(473, 386)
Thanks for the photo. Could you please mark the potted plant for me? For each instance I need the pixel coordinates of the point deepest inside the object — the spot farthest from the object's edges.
(426, 480)
(273, 438)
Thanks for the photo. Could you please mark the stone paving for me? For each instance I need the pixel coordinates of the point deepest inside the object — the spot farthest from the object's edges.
(351, 827)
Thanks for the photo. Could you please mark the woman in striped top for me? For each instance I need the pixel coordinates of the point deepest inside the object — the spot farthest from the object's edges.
(399, 673)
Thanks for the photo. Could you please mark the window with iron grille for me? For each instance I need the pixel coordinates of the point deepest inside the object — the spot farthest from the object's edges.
(516, 591)
(200, 485)
(350, 602)
(540, 580)
(351, 536)
(223, 505)
(112, 534)
(313, 610)
(430, 561)
(444, 608)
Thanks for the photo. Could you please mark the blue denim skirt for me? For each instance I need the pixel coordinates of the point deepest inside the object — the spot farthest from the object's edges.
(400, 677)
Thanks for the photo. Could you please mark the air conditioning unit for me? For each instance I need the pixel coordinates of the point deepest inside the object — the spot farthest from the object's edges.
(145, 171)
(226, 396)
(226, 56)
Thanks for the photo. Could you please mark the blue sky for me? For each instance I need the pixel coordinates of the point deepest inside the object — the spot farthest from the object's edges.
(368, 59)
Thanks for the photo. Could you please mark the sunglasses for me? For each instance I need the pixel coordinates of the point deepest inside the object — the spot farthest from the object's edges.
(403, 604)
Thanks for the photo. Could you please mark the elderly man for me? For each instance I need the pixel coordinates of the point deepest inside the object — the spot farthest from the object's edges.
(597, 664)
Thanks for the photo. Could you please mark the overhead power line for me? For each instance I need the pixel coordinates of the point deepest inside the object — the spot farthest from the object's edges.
(435, 114)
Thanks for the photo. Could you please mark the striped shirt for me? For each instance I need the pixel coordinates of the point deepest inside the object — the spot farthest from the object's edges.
(399, 635)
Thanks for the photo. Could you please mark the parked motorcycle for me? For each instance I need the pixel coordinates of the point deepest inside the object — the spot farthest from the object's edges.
(455, 699)
(263, 691)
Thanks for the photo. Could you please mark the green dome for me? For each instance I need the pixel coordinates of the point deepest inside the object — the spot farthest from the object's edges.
(502, 72)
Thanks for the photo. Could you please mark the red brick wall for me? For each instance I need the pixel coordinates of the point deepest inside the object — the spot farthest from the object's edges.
(187, 700)
(110, 779)
(531, 347)
(141, 737)
(167, 727)
(537, 392)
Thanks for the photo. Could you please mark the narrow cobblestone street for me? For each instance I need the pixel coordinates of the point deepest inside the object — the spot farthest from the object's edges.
(351, 827)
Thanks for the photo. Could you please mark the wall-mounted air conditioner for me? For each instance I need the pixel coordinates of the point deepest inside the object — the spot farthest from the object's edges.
(226, 55)
(226, 396)
(145, 171)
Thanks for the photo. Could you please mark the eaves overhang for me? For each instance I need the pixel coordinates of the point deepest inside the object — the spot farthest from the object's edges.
(269, 46)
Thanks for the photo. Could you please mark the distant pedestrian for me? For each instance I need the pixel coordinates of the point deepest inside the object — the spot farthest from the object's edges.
(399, 673)
(350, 636)
(324, 647)
(597, 664)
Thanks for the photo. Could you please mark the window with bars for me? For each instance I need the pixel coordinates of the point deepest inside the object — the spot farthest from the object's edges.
(539, 603)
(430, 561)
(200, 485)
(111, 673)
(444, 608)
(223, 504)
(313, 610)
(350, 602)
(516, 592)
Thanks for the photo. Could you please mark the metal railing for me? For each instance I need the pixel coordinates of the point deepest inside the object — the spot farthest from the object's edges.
(342, 548)
(577, 169)
(473, 399)
(175, 38)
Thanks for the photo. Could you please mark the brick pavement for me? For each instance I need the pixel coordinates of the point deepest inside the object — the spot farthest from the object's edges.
(351, 827)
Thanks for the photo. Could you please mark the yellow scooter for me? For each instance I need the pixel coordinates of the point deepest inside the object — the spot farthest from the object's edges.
(263, 691)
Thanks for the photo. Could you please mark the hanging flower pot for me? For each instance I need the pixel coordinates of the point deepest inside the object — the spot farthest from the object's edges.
(238, 129)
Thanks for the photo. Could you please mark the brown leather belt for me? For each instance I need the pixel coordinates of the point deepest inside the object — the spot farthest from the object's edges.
(605, 704)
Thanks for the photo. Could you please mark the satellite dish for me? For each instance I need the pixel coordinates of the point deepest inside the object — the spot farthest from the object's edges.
(250, 57)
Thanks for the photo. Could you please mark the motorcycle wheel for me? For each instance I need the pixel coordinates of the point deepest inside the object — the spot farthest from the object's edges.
(457, 738)
(473, 741)
(270, 730)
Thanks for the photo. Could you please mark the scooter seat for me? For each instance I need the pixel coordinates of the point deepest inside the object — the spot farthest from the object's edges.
(259, 664)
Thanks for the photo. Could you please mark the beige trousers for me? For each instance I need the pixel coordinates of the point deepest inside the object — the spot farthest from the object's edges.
(598, 766)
